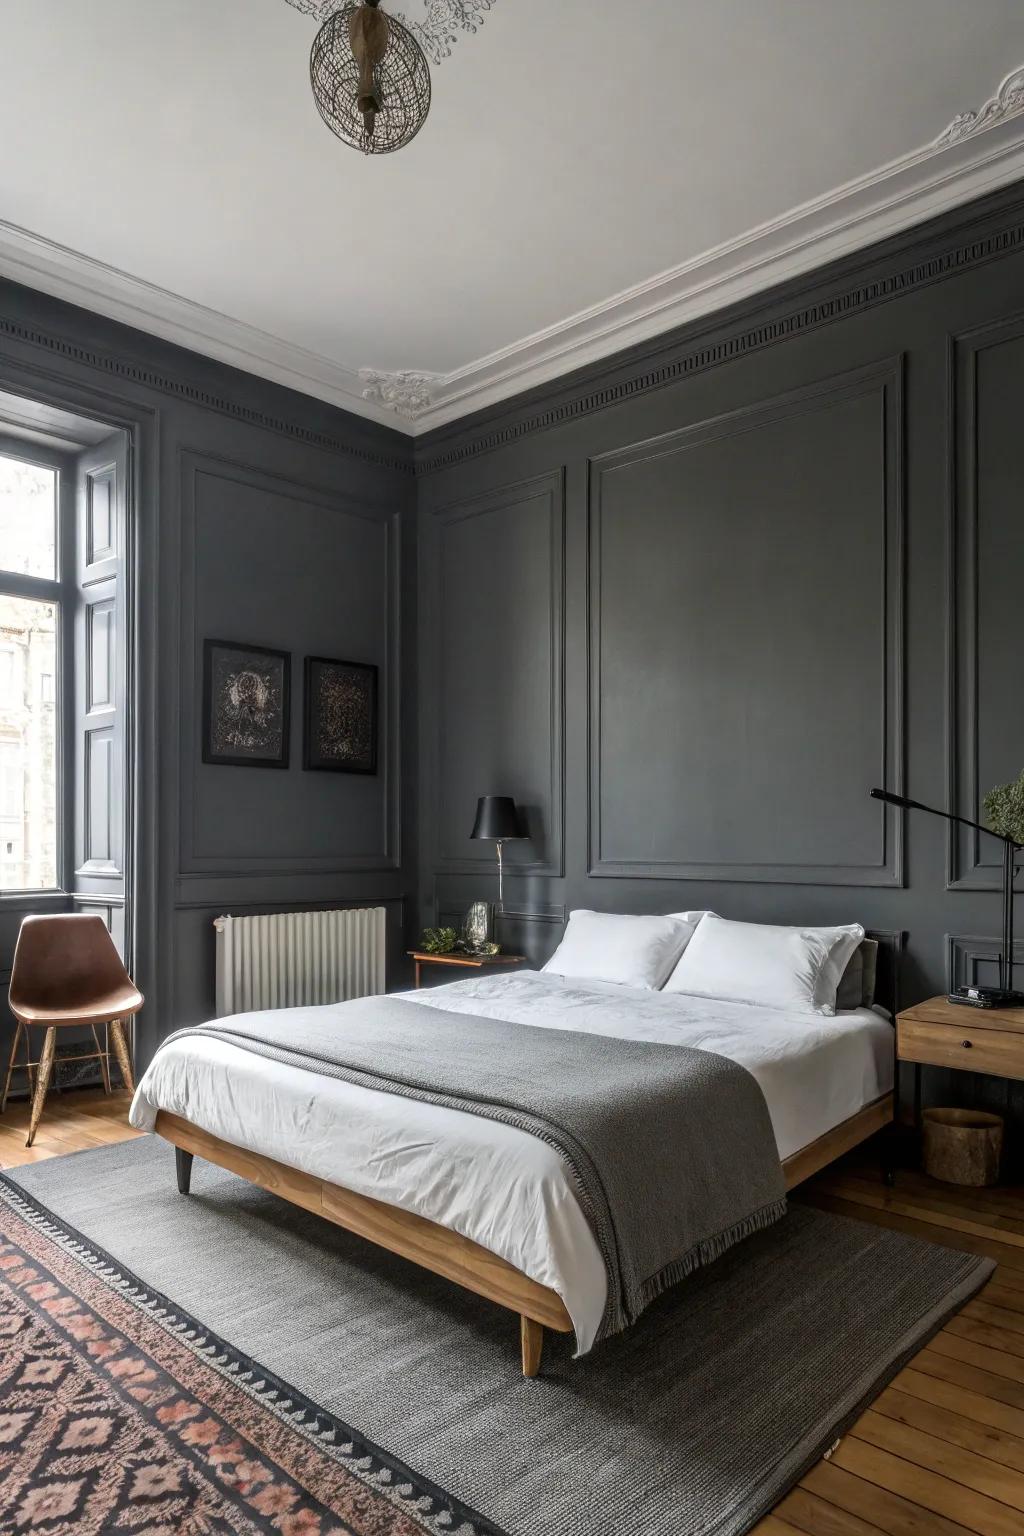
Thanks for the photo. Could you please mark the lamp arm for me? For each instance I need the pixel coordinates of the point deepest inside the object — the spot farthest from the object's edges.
(1010, 848)
(933, 810)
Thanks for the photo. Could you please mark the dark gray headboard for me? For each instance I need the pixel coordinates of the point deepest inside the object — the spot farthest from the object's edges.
(890, 958)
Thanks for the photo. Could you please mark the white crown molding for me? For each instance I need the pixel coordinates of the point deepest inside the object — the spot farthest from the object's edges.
(67, 274)
(976, 153)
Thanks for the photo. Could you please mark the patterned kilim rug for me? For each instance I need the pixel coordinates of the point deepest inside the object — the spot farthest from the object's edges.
(119, 1412)
(124, 1410)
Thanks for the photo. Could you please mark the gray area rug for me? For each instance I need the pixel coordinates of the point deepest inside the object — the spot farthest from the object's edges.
(693, 1424)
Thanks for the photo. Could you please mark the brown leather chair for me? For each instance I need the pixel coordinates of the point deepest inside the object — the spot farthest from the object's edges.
(68, 973)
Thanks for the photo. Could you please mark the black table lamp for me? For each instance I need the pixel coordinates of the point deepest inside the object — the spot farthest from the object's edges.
(1004, 995)
(497, 820)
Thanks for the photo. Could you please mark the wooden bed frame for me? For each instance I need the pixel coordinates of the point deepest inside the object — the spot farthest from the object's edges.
(445, 1252)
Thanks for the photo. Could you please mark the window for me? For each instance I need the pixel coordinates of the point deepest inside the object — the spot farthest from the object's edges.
(29, 649)
(28, 518)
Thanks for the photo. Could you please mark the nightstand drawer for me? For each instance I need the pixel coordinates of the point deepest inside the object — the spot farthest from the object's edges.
(966, 1049)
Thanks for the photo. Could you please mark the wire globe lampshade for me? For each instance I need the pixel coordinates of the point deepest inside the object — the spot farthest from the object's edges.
(401, 80)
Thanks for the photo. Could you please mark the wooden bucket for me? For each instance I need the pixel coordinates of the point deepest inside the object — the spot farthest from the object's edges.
(962, 1146)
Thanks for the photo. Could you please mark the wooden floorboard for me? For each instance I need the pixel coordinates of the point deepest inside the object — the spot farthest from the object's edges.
(72, 1121)
(939, 1453)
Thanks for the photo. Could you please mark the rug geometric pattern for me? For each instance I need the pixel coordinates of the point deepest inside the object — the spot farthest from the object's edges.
(120, 1414)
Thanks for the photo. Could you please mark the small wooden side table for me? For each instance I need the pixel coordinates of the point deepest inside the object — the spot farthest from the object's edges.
(938, 1033)
(467, 962)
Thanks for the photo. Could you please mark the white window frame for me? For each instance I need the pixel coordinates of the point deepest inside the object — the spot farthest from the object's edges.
(47, 590)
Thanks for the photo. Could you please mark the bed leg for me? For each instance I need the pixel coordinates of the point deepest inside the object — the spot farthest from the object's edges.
(183, 1168)
(531, 1336)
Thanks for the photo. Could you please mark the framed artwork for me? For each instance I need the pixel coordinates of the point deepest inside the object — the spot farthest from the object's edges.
(246, 705)
(340, 716)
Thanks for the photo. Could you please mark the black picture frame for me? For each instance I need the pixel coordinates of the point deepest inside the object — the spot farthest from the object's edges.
(215, 654)
(360, 758)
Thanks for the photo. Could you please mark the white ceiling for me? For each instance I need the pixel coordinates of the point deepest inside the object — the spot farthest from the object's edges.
(574, 151)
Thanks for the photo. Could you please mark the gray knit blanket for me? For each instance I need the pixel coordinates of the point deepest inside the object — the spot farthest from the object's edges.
(670, 1149)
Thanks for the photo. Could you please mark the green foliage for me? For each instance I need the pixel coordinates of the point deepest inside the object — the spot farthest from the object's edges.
(439, 941)
(1004, 807)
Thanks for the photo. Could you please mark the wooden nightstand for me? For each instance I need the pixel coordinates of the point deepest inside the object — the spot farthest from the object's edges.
(939, 1033)
(467, 962)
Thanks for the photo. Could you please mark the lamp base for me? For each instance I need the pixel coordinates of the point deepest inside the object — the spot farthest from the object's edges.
(987, 997)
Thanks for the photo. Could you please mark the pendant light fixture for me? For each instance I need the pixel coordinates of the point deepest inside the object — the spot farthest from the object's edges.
(370, 78)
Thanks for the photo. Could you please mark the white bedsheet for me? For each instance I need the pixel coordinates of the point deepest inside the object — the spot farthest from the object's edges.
(501, 1187)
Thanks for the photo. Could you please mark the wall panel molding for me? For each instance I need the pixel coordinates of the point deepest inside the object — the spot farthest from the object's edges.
(195, 859)
(972, 862)
(241, 905)
(510, 498)
(234, 889)
(966, 953)
(884, 379)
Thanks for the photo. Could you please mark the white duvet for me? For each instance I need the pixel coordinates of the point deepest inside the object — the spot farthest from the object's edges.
(500, 1186)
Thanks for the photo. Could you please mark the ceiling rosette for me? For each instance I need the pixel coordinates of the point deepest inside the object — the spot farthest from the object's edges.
(436, 27)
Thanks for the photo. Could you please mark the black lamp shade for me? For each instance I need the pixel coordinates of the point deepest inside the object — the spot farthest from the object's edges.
(497, 819)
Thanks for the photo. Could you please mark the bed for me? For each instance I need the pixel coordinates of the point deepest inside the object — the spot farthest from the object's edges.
(419, 1179)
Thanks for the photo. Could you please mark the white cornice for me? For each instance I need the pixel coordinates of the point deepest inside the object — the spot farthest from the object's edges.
(978, 152)
(27, 258)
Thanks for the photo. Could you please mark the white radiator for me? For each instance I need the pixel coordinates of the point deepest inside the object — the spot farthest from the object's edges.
(286, 959)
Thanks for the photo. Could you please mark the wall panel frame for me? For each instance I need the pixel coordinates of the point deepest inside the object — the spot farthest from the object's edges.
(883, 380)
(973, 862)
(196, 862)
(549, 488)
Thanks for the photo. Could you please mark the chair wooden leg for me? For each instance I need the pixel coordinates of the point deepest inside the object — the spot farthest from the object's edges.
(531, 1336)
(42, 1082)
(12, 1063)
(104, 1056)
(121, 1052)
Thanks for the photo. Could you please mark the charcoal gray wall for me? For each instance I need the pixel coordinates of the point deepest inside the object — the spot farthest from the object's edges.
(262, 516)
(688, 607)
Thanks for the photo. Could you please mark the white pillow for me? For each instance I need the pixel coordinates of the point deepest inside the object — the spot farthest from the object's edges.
(610, 946)
(794, 968)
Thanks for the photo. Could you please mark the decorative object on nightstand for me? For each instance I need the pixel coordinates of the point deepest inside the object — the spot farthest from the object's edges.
(458, 957)
(478, 929)
(1004, 806)
(439, 941)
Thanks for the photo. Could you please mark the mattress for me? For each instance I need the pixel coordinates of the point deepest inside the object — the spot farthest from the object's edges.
(495, 1184)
